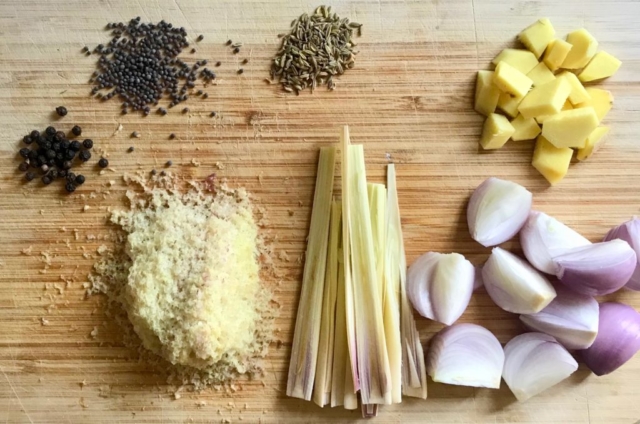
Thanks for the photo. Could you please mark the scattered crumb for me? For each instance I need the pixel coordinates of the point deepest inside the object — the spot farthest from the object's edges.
(44, 321)
(220, 165)
(83, 383)
(300, 203)
(86, 208)
(283, 256)
(118, 129)
(27, 251)
(291, 212)
(177, 395)
(201, 404)
(82, 403)
(195, 163)
(94, 332)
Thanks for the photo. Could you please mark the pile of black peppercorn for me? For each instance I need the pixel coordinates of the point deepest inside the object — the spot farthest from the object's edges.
(140, 66)
(52, 155)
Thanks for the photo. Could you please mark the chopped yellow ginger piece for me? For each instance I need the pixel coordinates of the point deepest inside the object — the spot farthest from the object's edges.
(525, 129)
(496, 131)
(510, 80)
(522, 60)
(570, 128)
(541, 75)
(546, 99)
(509, 104)
(601, 101)
(578, 93)
(487, 94)
(556, 53)
(594, 142)
(567, 106)
(584, 46)
(550, 161)
(603, 65)
(537, 36)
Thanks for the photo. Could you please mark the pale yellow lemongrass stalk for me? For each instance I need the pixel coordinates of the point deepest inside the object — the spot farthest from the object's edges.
(304, 351)
(372, 358)
(324, 367)
(414, 376)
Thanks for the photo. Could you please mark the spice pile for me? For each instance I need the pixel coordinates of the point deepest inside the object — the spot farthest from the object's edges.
(318, 48)
(140, 66)
(52, 155)
(188, 277)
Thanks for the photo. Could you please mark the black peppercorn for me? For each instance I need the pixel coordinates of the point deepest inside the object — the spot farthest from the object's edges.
(70, 154)
(200, 37)
(24, 152)
(62, 173)
(44, 168)
(103, 163)
(240, 71)
(29, 176)
(185, 110)
(53, 174)
(193, 50)
(85, 155)
(229, 42)
(76, 130)
(80, 179)
(50, 131)
(46, 180)
(236, 50)
(130, 149)
(27, 139)
(172, 136)
(75, 145)
(23, 167)
(169, 163)
(71, 176)
(88, 143)
(35, 134)
(65, 144)
(61, 111)
(70, 187)
(245, 61)
(66, 164)
(154, 172)
(212, 114)
(51, 154)
(205, 96)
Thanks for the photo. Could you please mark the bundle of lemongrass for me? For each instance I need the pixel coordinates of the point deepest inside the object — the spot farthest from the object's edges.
(355, 331)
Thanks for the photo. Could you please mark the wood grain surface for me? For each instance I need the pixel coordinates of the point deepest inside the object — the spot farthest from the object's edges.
(408, 99)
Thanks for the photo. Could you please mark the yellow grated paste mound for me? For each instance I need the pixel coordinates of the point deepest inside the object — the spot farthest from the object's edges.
(191, 283)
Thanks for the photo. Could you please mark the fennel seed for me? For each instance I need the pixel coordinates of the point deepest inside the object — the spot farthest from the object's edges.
(318, 47)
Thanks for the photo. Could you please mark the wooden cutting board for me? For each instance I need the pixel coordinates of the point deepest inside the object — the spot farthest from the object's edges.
(408, 100)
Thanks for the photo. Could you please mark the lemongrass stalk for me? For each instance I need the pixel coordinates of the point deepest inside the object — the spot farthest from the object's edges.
(304, 351)
(322, 385)
(372, 358)
(340, 349)
(350, 318)
(414, 376)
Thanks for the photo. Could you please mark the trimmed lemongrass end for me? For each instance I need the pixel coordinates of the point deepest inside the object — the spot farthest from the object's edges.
(304, 351)
(497, 211)
(440, 286)
(535, 362)
(414, 374)
(597, 269)
(544, 237)
(466, 355)
(514, 285)
(571, 318)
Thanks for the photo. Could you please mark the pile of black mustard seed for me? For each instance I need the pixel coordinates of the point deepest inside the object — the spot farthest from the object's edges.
(140, 66)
